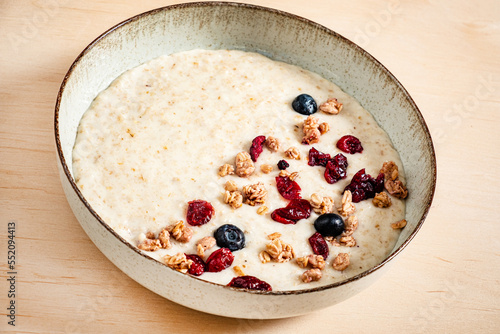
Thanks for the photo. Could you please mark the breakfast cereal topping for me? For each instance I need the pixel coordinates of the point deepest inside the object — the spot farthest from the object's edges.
(273, 236)
(272, 144)
(331, 106)
(150, 235)
(311, 275)
(284, 173)
(230, 186)
(324, 128)
(238, 271)
(256, 148)
(255, 194)
(351, 225)
(266, 169)
(244, 164)
(226, 169)
(262, 210)
(322, 204)
(382, 200)
(347, 207)
(181, 232)
(399, 224)
(178, 262)
(293, 176)
(390, 170)
(310, 130)
(280, 251)
(264, 257)
(347, 241)
(204, 244)
(199, 212)
(312, 260)
(293, 153)
(396, 188)
(341, 262)
(164, 238)
(150, 245)
(233, 198)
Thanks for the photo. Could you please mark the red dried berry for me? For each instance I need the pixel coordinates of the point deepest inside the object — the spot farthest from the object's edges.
(349, 144)
(288, 188)
(199, 212)
(282, 165)
(296, 210)
(317, 158)
(336, 169)
(319, 245)
(219, 260)
(198, 266)
(364, 186)
(257, 147)
(250, 282)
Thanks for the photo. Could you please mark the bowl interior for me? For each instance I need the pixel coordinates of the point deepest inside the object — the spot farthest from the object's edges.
(277, 35)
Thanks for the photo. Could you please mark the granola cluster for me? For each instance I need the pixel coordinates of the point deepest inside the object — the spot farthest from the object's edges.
(178, 262)
(203, 245)
(382, 200)
(348, 206)
(341, 262)
(178, 232)
(293, 153)
(277, 250)
(152, 244)
(244, 164)
(310, 128)
(322, 204)
(255, 194)
(346, 238)
(312, 260)
(332, 106)
(393, 184)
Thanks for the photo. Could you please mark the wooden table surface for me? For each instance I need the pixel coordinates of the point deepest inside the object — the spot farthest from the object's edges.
(446, 53)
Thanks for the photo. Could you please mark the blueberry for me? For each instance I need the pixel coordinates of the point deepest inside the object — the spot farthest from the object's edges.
(329, 225)
(304, 104)
(230, 236)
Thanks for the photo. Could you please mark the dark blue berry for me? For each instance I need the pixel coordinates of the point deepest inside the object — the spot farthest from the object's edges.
(329, 225)
(304, 104)
(230, 236)
(282, 165)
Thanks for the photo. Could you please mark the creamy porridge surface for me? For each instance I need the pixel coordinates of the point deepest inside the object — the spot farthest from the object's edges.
(155, 138)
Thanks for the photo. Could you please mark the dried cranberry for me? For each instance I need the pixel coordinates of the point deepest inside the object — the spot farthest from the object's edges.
(349, 144)
(282, 165)
(288, 188)
(379, 183)
(296, 210)
(199, 212)
(198, 266)
(250, 282)
(364, 186)
(319, 245)
(317, 158)
(336, 169)
(257, 146)
(219, 260)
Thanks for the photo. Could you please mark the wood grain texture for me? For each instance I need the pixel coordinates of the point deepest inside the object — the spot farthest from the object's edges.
(447, 281)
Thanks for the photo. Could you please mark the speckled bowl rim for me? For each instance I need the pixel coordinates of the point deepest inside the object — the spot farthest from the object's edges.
(279, 13)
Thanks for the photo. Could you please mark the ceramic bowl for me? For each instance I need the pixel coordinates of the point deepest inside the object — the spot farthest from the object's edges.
(278, 35)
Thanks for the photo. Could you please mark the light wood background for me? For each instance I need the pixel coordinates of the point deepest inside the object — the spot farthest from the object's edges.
(446, 53)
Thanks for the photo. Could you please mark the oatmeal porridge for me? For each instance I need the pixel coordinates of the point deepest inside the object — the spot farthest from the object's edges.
(226, 164)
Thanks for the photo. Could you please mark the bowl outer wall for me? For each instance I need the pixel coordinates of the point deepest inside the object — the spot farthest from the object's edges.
(283, 37)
